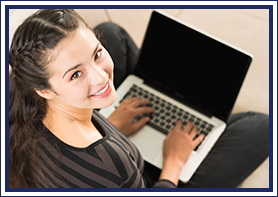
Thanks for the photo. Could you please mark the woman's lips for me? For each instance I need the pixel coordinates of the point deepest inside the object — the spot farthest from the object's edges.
(103, 92)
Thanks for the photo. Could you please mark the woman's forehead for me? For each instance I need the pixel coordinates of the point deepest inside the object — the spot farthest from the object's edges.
(72, 48)
(82, 34)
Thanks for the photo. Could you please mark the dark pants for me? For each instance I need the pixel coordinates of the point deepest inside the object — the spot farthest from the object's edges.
(242, 147)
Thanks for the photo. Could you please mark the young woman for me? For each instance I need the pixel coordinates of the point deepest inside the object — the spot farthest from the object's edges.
(60, 74)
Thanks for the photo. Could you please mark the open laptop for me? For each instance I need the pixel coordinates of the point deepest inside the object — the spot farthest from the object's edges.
(186, 74)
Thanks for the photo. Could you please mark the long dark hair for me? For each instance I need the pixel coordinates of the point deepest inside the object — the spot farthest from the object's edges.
(29, 57)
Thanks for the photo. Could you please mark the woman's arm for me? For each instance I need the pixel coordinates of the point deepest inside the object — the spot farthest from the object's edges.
(177, 147)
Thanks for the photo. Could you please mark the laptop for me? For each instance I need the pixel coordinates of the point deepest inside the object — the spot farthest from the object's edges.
(186, 74)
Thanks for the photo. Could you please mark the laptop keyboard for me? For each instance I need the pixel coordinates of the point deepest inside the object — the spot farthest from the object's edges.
(166, 114)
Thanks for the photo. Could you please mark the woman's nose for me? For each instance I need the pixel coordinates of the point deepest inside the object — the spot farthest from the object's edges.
(97, 75)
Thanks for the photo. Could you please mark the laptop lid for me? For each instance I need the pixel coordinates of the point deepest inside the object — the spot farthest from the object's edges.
(192, 66)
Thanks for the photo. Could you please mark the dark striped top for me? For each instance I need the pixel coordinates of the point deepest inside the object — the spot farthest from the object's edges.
(111, 162)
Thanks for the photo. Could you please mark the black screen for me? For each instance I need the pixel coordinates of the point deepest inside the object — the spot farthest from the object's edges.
(203, 70)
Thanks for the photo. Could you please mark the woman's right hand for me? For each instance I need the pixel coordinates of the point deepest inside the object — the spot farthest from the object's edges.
(177, 147)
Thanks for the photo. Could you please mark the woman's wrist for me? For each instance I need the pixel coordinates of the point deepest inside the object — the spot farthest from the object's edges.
(171, 171)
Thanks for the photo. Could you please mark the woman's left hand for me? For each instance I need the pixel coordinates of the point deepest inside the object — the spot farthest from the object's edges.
(123, 116)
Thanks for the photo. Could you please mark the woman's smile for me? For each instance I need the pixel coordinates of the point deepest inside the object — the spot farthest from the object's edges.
(104, 91)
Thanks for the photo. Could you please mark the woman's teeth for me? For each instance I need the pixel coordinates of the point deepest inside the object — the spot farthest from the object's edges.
(101, 92)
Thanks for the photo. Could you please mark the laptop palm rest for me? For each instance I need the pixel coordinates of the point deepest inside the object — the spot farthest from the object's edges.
(150, 143)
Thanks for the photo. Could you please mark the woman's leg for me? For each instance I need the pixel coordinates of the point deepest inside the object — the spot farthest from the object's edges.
(121, 48)
(242, 147)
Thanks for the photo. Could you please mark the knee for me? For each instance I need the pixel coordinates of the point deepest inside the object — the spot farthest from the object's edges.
(251, 118)
(259, 119)
(259, 128)
(259, 134)
(250, 132)
(251, 126)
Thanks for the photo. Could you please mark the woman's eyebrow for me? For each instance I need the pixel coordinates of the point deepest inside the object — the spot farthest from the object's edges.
(95, 49)
(74, 67)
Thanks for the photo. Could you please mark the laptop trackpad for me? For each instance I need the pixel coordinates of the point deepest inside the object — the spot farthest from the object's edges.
(149, 142)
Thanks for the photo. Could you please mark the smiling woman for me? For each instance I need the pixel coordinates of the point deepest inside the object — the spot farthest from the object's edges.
(61, 74)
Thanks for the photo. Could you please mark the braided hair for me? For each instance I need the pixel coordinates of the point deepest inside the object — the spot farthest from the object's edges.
(29, 56)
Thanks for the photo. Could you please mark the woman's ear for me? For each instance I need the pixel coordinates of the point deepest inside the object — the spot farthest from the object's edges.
(47, 94)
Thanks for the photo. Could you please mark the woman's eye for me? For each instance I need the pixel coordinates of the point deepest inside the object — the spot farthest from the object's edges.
(98, 54)
(76, 75)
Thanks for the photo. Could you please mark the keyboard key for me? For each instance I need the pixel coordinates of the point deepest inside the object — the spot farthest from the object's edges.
(203, 125)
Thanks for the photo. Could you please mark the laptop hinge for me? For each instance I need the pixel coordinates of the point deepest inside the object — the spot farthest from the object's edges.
(178, 97)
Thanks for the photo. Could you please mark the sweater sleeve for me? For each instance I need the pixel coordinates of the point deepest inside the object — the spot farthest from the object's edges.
(163, 183)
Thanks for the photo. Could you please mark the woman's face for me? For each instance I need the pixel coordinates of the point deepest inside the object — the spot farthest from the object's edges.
(82, 72)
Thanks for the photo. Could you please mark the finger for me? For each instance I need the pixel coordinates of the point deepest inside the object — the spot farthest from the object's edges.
(178, 125)
(198, 140)
(130, 100)
(143, 110)
(140, 123)
(136, 102)
(193, 132)
(188, 127)
(126, 101)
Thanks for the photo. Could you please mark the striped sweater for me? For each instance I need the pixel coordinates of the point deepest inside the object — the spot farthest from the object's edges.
(111, 162)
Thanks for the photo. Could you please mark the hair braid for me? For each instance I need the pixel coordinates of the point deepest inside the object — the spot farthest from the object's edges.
(29, 57)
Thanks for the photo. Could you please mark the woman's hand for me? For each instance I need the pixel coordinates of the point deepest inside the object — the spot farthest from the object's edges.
(123, 116)
(177, 147)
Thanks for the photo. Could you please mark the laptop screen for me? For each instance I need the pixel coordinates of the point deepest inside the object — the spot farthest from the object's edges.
(199, 69)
